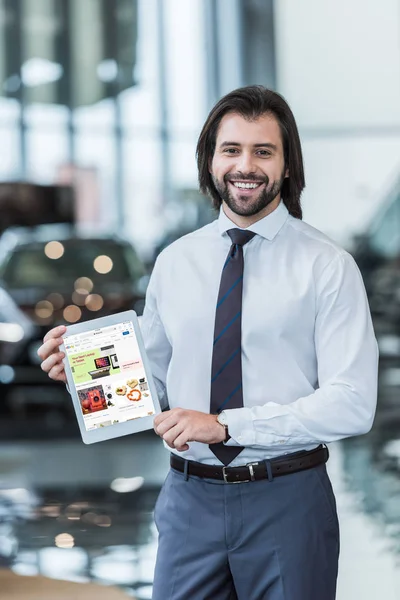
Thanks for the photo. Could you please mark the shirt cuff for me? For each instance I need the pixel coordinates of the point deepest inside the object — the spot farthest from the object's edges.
(240, 427)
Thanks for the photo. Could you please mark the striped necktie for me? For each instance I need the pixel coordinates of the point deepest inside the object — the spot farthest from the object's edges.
(226, 369)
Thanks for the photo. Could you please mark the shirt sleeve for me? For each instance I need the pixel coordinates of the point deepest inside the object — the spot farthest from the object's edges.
(347, 357)
(157, 345)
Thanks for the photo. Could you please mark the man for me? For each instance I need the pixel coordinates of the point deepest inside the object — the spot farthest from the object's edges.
(260, 339)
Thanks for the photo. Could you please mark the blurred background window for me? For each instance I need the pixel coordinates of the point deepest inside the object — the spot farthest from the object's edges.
(385, 233)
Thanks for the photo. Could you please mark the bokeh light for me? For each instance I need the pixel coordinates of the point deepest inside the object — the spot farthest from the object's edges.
(64, 540)
(54, 250)
(103, 264)
(72, 313)
(83, 285)
(56, 300)
(44, 309)
(94, 302)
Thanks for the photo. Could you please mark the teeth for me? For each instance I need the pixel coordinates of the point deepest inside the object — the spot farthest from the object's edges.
(247, 186)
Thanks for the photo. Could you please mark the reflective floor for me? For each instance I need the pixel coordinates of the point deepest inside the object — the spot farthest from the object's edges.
(370, 546)
(84, 513)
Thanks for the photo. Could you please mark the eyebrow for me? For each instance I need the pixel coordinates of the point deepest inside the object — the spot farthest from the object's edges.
(265, 145)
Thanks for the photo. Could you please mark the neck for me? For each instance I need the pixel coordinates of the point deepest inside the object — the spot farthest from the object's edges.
(242, 221)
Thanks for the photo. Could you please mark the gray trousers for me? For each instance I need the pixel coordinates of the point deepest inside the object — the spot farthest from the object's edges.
(262, 540)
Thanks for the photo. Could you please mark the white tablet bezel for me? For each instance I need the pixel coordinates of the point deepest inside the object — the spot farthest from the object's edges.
(118, 429)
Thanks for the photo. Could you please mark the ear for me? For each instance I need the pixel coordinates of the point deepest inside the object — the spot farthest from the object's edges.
(287, 173)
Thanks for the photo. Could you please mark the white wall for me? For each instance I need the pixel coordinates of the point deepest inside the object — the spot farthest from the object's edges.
(339, 61)
(347, 180)
(339, 68)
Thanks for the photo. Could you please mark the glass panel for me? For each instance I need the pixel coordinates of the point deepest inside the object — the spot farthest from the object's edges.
(41, 70)
(385, 240)
(46, 116)
(185, 61)
(140, 106)
(97, 152)
(3, 55)
(10, 81)
(10, 167)
(97, 117)
(125, 42)
(142, 192)
(102, 49)
(87, 51)
(46, 152)
(183, 162)
(9, 110)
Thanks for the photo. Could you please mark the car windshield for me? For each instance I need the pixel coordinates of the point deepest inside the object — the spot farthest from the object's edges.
(30, 265)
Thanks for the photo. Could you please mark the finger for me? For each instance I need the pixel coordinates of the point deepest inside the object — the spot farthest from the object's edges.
(171, 446)
(172, 434)
(157, 431)
(49, 347)
(58, 373)
(56, 332)
(167, 425)
(182, 448)
(181, 440)
(176, 412)
(51, 361)
(161, 417)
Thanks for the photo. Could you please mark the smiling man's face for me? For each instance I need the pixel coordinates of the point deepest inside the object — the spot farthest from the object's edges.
(248, 167)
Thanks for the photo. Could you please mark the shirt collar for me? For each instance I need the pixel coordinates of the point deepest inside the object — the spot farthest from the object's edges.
(267, 227)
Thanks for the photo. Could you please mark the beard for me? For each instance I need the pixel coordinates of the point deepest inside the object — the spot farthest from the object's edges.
(243, 205)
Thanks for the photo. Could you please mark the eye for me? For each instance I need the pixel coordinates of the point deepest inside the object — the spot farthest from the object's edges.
(264, 152)
(231, 150)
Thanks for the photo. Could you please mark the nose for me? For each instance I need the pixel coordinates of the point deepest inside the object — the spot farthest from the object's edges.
(245, 163)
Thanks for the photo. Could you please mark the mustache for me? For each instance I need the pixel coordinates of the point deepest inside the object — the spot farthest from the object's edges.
(249, 177)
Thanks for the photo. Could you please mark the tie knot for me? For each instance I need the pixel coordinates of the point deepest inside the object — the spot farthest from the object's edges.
(240, 236)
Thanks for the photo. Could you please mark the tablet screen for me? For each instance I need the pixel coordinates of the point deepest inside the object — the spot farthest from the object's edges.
(109, 375)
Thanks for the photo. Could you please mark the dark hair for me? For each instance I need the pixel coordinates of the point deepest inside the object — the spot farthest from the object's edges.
(251, 103)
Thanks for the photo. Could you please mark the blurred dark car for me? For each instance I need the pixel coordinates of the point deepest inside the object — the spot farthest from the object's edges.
(56, 276)
(59, 267)
(17, 331)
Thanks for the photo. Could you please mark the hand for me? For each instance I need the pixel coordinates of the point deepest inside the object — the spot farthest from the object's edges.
(51, 356)
(178, 426)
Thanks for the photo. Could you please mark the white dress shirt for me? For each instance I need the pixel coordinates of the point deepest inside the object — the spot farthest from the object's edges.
(309, 353)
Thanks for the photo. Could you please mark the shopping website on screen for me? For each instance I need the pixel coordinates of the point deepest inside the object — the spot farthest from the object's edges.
(109, 375)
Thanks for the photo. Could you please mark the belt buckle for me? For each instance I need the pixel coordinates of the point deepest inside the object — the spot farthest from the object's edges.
(251, 471)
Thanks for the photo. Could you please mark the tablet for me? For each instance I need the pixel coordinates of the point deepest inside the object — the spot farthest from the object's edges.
(109, 377)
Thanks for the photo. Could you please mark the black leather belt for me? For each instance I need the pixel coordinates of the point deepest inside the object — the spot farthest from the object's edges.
(291, 463)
